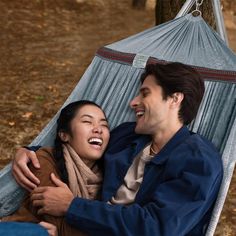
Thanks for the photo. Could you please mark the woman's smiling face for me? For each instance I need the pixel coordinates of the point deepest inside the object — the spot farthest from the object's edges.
(89, 133)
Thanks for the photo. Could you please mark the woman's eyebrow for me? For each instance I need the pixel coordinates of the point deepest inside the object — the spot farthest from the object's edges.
(86, 115)
(104, 119)
(89, 116)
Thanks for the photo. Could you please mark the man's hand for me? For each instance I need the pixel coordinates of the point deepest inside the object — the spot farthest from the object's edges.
(52, 200)
(20, 169)
(52, 229)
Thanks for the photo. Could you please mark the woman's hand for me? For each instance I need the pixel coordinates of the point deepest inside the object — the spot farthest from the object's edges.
(21, 171)
(52, 229)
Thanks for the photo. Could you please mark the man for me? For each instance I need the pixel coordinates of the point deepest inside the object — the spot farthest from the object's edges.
(160, 178)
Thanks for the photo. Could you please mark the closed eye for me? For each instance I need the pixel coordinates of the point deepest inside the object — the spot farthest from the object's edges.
(105, 125)
(86, 121)
(144, 92)
(144, 95)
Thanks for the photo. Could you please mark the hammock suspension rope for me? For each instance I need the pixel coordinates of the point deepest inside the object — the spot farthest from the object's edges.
(197, 12)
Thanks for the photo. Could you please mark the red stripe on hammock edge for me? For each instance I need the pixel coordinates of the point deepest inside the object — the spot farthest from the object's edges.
(127, 58)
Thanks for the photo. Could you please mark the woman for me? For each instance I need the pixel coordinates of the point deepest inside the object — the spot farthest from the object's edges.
(82, 137)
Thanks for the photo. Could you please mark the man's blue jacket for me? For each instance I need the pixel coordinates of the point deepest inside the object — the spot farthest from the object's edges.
(176, 197)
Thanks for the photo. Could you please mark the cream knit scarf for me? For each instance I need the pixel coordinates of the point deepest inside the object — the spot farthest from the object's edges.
(83, 181)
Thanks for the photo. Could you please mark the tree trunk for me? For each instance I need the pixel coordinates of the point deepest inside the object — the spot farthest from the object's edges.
(139, 4)
(167, 10)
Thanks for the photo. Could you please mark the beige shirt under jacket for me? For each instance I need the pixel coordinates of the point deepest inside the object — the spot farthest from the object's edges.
(127, 192)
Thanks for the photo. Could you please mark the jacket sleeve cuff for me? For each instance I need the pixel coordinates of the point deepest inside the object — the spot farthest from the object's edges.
(74, 213)
(32, 148)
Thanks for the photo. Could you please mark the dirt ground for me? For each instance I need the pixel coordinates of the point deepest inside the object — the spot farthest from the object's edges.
(45, 48)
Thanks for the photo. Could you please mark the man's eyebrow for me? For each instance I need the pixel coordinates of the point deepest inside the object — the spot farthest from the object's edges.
(143, 89)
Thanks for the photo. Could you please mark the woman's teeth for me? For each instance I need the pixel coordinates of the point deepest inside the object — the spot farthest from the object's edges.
(95, 141)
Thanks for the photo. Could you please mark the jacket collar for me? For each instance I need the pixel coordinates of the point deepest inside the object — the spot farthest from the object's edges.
(141, 141)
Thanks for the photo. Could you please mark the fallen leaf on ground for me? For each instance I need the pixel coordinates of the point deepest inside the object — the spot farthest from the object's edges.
(27, 115)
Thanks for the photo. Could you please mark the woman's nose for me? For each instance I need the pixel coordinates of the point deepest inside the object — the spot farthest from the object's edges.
(97, 129)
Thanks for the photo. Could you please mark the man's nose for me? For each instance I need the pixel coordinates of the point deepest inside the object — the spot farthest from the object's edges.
(134, 102)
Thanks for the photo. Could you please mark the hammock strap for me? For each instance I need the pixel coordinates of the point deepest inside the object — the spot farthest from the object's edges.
(197, 12)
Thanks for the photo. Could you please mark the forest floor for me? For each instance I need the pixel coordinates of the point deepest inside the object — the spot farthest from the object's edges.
(45, 48)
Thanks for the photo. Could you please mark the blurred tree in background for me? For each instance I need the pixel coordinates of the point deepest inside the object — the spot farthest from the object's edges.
(166, 10)
(139, 4)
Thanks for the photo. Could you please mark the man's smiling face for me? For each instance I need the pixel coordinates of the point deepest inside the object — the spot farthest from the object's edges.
(150, 108)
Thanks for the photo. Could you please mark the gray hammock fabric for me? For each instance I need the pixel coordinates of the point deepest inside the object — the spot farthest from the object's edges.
(112, 80)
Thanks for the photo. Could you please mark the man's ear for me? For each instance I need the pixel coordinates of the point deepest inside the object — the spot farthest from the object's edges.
(63, 136)
(177, 98)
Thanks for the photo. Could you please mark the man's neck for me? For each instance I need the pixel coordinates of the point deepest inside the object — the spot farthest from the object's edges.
(162, 136)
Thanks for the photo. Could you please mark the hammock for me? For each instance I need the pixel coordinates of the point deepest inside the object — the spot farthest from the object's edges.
(112, 79)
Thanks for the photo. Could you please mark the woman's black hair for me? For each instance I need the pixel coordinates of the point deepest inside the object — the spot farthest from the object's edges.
(64, 125)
